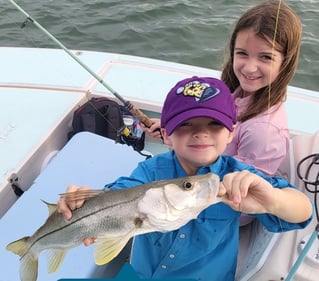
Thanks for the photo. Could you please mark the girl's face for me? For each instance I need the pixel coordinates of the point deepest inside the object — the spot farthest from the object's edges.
(256, 62)
(198, 142)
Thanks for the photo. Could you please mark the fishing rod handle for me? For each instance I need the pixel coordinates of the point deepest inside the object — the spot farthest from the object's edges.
(143, 118)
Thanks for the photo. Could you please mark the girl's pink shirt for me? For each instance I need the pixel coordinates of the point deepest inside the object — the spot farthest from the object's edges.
(262, 141)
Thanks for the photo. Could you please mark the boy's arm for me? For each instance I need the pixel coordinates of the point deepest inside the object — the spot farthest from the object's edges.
(291, 205)
(249, 193)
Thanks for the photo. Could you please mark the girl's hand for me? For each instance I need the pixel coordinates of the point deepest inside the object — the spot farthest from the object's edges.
(155, 130)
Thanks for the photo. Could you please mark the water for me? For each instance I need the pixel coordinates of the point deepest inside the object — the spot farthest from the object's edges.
(193, 32)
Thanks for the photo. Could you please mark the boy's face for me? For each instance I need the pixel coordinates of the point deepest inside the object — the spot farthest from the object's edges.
(198, 142)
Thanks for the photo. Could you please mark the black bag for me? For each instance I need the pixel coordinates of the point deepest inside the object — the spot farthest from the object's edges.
(107, 118)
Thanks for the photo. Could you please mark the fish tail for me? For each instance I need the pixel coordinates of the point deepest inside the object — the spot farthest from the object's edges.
(28, 268)
(19, 247)
(28, 262)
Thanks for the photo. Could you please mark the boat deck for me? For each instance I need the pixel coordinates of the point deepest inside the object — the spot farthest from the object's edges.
(86, 160)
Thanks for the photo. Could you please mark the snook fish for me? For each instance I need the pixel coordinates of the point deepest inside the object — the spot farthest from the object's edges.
(113, 217)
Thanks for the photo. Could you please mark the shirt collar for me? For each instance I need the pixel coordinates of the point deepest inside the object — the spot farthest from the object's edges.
(212, 168)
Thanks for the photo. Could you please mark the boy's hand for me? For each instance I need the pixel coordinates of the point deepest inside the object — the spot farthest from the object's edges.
(247, 192)
(65, 208)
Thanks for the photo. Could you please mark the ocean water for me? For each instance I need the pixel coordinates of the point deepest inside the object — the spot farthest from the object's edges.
(194, 32)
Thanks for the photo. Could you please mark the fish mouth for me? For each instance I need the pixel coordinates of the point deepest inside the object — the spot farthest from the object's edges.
(210, 193)
(206, 191)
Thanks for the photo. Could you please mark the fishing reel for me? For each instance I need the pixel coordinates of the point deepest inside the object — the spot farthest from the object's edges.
(132, 135)
(130, 129)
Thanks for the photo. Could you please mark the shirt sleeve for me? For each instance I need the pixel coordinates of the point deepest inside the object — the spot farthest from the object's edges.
(138, 177)
(272, 222)
(263, 146)
(156, 168)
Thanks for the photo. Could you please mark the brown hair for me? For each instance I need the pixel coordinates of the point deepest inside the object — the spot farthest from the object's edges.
(275, 21)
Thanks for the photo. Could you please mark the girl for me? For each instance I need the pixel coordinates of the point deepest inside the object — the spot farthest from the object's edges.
(263, 56)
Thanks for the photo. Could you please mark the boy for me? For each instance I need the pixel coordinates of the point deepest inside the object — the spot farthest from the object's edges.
(198, 121)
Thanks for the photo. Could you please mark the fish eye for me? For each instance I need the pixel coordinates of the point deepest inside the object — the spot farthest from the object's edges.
(187, 185)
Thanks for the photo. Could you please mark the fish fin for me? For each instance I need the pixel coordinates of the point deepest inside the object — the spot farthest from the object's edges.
(28, 268)
(109, 248)
(51, 207)
(19, 247)
(56, 258)
(28, 262)
(81, 194)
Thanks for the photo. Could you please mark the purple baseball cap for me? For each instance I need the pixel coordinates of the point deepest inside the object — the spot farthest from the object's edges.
(198, 97)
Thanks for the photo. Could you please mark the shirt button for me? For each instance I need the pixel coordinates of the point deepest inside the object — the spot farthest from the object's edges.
(163, 266)
(182, 236)
(172, 256)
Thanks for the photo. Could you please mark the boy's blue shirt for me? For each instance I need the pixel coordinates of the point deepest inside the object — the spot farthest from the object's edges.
(205, 248)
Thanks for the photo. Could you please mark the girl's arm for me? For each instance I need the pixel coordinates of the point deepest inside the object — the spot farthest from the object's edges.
(261, 145)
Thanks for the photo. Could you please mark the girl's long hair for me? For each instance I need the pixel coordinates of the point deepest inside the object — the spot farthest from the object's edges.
(278, 24)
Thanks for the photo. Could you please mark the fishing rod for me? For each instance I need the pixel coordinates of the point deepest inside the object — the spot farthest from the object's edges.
(128, 105)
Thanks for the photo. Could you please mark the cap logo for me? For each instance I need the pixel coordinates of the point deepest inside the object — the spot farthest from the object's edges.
(200, 91)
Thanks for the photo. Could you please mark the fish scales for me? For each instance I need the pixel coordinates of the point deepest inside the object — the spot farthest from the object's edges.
(101, 214)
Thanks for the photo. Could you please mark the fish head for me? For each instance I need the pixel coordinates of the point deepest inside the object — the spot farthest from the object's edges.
(179, 200)
(193, 192)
